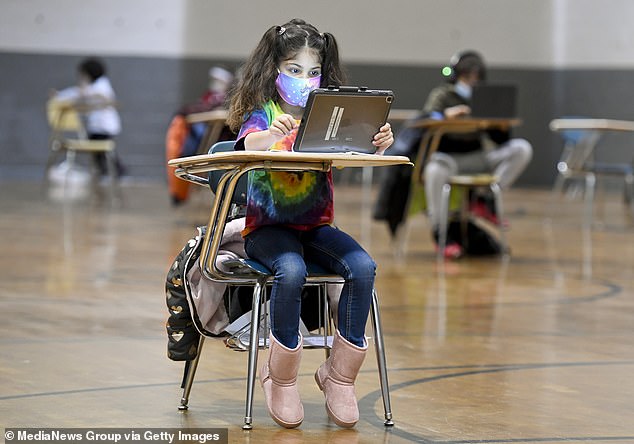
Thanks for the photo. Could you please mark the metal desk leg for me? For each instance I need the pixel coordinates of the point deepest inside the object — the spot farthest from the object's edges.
(381, 361)
(189, 378)
(253, 351)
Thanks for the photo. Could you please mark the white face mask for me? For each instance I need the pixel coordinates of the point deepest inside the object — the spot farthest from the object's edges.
(463, 90)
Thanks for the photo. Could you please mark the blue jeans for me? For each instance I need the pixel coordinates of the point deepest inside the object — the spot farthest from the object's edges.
(285, 252)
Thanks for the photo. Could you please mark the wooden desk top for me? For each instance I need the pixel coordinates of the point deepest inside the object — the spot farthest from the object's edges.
(208, 116)
(465, 123)
(591, 125)
(221, 114)
(228, 160)
(401, 115)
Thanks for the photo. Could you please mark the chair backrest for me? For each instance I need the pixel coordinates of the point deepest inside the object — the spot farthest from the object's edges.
(240, 194)
(62, 117)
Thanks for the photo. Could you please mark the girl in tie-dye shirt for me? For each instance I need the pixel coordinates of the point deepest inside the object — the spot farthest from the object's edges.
(298, 200)
(290, 215)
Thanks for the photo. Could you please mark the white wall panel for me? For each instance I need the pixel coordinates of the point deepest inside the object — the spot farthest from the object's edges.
(116, 27)
(590, 33)
(535, 33)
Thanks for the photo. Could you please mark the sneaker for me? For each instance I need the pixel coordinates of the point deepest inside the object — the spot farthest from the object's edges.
(482, 210)
(452, 251)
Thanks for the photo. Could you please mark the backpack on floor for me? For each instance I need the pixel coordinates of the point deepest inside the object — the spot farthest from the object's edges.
(479, 239)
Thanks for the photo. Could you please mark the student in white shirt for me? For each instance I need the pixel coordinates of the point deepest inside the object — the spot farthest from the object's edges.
(95, 90)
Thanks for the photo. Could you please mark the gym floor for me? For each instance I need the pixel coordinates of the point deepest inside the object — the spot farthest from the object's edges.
(537, 347)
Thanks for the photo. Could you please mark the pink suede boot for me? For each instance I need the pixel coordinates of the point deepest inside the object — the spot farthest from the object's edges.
(336, 379)
(278, 377)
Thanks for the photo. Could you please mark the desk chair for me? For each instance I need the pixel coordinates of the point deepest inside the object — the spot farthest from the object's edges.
(462, 183)
(577, 162)
(214, 121)
(250, 272)
(69, 136)
(206, 128)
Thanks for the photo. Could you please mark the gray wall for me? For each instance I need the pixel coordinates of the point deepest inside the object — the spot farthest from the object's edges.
(150, 90)
(568, 57)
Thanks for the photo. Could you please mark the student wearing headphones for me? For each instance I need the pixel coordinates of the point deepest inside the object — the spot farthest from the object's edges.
(466, 153)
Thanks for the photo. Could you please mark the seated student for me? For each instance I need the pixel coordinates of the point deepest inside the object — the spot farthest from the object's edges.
(220, 81)
(290, 220)
(184, 139)
(95, 90)
(466, 153)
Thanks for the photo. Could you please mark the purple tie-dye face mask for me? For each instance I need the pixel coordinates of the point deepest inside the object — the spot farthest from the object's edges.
(295, 91)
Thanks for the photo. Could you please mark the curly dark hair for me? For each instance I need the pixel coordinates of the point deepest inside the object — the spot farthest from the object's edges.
(256, 85)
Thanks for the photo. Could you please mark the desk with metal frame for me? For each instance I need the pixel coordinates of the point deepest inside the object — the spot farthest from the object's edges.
(435, 129)
(215, 121)
(236, 164)
(577, 158)
(68, 134)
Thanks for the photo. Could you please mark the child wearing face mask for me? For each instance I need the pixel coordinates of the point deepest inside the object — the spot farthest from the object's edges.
(465, 153)
(290, 216)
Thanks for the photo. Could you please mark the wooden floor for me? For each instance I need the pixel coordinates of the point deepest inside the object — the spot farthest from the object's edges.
(538, 348)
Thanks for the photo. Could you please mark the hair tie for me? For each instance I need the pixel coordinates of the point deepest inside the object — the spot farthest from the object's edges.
(281, 30)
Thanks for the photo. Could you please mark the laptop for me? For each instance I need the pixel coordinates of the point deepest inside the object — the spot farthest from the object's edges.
(342, 120)
(494, 101)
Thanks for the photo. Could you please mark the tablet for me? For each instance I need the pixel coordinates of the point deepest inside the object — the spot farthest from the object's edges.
(341, 120)
(494, 101)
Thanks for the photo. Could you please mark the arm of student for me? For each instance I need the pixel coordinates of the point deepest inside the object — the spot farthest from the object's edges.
(258, 140)
(262, 140)
(440, 101)
(454, 112)
(68, 95)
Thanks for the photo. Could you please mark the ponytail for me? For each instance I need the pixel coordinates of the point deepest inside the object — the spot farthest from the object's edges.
(334, 76)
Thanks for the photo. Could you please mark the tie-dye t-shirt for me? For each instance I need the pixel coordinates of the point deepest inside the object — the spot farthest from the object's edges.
(299, 200)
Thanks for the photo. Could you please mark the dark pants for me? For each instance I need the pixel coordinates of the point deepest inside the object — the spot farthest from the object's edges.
(100, 158)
